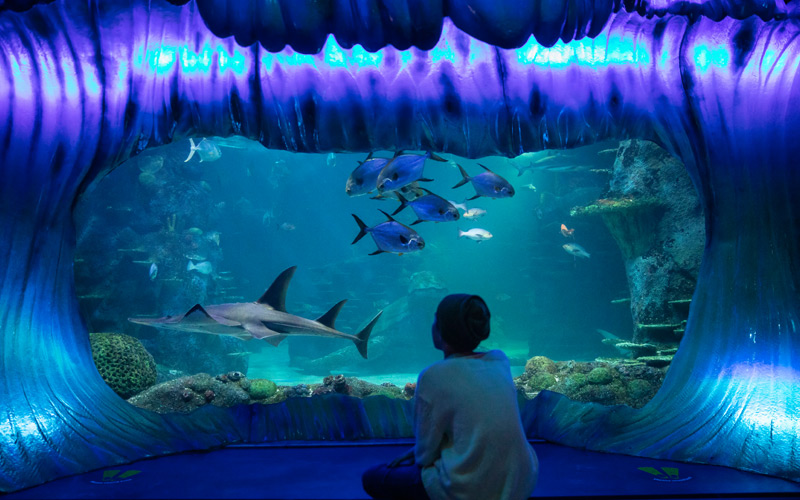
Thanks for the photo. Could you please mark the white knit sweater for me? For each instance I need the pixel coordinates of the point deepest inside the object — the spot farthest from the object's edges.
(470, 440)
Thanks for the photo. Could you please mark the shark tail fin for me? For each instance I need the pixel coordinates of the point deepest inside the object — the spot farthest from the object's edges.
(192, 149)
(275, 296)
(329, 318)
(362, 229)
(363, 336)
(464, 175)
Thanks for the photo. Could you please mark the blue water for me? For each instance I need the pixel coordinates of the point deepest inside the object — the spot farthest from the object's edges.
(274, 209)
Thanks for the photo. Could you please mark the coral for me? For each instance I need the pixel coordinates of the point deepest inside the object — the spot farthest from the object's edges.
(123, 362)
(298, 391)
(600, 376)
(638, 389)
(261, 388)
(409, 390)
(656, 361)
(540, 364)
(186, 394)
(541, 381)
(609, 381)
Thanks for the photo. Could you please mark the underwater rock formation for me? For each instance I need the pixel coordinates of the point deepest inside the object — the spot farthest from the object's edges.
(613, 382)
(123, 362)
(717, 92)
(654, 214)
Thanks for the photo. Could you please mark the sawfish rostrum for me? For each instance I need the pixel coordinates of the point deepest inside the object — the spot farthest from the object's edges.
(265, 319)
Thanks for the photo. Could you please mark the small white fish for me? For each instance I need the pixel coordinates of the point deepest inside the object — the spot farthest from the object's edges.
(204, 267)
(530, 186)
(460, 206)
(330, 160)
(287, 226)
(153, 271)
(266, 219)
(206, 148)
(576, 250)
(476, 234)
(474, 213)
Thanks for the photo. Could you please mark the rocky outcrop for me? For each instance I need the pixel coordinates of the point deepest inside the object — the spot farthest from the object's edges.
(654, 214)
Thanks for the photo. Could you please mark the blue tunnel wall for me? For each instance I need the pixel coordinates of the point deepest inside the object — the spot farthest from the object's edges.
(86, 85)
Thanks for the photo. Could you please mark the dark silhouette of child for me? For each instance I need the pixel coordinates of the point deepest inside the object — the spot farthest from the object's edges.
(469, 438)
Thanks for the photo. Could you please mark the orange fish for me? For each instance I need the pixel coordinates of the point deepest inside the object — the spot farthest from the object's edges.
(567, 232)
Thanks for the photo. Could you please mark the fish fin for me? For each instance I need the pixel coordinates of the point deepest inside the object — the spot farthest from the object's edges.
(433, 156)
(426, 191)
(484, 167)
(363, 336)
(362, 229)
(387, 215)
(461, 233)
(275, 339)
(192, 149)
(329, 318)
(369, 157)
(474, 197)
(396, 154)
(195, 311)
(377, 197)
(275, 296)
(416, 222)
(376, 252)
(464, 175)
(424, 179)
(403, 203)
(190, 265)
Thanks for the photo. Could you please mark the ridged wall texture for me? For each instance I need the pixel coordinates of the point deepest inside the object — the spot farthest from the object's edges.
(85, 85)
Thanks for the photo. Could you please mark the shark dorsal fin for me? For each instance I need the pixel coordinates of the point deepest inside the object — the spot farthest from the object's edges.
(195, 311)
(329, 318)
(275, 296)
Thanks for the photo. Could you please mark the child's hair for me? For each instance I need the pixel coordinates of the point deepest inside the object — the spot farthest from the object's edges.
(463, 321)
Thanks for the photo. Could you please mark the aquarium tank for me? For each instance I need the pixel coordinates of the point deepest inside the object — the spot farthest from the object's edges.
(231, 222)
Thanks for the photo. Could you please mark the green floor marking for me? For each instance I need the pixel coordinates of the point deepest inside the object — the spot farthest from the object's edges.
(653, 471)
(109, 474)
(129, 473)
(672, 472)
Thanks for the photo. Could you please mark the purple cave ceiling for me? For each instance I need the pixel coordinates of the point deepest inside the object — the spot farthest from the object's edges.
(86, 85)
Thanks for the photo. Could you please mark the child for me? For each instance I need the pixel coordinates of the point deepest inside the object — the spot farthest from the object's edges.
(469, 438)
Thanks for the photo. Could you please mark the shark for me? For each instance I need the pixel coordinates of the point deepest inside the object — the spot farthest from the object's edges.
(265, 319)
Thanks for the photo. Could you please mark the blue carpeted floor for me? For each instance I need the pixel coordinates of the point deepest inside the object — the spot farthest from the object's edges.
(333, 470)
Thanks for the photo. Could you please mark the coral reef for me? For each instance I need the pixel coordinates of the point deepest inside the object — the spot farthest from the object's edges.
(261, 388)
(123, 362)
(606, 382)
(185, 394)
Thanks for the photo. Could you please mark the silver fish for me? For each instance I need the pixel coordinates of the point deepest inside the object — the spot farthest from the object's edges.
(364, 178)
(403, 170)
(487, 184)
(430, 207)
(576, 250)
(204, 267)
(206, 149)
(153, 271)
(390, 236)
(476, 234)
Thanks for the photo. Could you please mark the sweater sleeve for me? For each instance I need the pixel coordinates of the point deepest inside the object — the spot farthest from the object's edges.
(428, 431)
